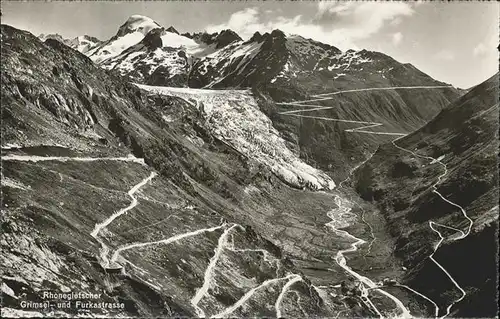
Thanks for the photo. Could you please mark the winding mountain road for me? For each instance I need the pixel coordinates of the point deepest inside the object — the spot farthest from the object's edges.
(436, 307)
(417, 87)
(330, 96)
(354, 169)
(209, 272)
(433, 225)
(36, 158)
(366, 284)
(335, 225)
(116, 254)
(226, 312)
(104, 251)
(222, 244)
(283, 292)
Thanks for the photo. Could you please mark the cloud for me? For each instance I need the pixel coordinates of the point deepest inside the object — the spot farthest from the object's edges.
(396, 38)
(397, 21)
(480, 49)
(485, 47)
(337, 23)
(444, 55)
(248, 21)
(244, 19)
(362, 17)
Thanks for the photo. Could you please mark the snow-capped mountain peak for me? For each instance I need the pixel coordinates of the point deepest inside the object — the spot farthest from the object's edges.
(149, 53)
(172, 29)
(137, 23)
(130, 33)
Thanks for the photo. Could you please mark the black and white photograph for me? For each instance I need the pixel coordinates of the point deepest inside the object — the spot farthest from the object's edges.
(249, 159)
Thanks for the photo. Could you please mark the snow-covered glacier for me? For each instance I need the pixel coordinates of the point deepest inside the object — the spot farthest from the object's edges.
(234, 117)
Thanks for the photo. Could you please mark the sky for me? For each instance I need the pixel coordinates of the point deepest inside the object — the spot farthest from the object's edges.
(455, 42)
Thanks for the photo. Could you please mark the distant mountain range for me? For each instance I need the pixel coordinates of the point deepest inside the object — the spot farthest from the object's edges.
(142, 47)
(69, 128)
(149, 53)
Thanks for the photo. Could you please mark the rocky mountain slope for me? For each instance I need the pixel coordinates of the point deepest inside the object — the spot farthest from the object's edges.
(146, 199)
(463, 140)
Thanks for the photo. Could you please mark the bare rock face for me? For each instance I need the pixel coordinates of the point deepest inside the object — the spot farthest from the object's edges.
(55, 36)
(172, 29)
(226, 37)
(82, 43)
(152, 40)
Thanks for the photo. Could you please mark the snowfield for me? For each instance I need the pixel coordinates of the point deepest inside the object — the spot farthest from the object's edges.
(173, 40)
(144, 62)
(238, 51)
(234, 117)
(141, 23)
(114, 47)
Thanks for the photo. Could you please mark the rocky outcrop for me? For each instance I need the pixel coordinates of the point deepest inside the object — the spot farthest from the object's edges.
(152, 40)
(172, 29)
(225, 38)
(82, 43)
